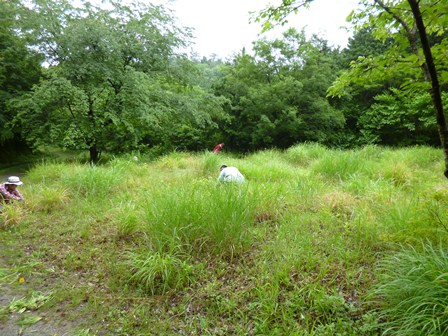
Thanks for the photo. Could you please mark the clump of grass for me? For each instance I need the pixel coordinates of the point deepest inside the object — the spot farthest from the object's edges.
(396, 172)
(94, 181)
(371, 152)
(11, 215)
(26, 321)
(83, 332)
(47, 198)
(405, 219)
(331, 308)
(306, 153)
(413, 291)
(340, 203)
(155, 273)
(414, 157)
(211, 163)
(180, 160)
(32, 302)
(435, 204)
(340, 164)
(200, 216)
(279, 170)
(47, 172)
(127, 221)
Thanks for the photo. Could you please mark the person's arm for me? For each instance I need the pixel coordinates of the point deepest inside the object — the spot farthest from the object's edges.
(19, 195)
(8, 195)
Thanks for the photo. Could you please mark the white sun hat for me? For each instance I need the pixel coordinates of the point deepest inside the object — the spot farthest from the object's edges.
(14, 180)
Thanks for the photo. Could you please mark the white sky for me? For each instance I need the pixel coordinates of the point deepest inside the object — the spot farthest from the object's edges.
(222, 27)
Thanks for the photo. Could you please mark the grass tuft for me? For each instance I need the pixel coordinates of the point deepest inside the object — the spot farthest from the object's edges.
(413, 291)
(155, 273)
(11, 215)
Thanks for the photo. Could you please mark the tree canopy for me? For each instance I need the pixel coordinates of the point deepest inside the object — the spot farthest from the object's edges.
(114, 78)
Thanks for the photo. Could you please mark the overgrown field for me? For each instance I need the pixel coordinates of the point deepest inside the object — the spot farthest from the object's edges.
(316, 242)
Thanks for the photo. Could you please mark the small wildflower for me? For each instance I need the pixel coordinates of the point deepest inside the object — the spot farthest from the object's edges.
(21, 280)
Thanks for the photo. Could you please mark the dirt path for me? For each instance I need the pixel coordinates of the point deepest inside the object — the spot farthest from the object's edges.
(15, 322)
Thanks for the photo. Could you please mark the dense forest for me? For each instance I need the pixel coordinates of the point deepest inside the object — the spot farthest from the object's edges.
(114, 79)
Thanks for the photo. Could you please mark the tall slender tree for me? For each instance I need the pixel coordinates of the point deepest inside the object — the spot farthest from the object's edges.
(430, 71)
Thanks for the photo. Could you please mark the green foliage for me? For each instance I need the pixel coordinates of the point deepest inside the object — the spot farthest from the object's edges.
(10, 216)
(278, 95)
(305, 153)
(386, 84)
(397, 118)
(114, 81)
(127, 221)
(199, 217)
(273, 15)
(32, 302)
(19, 68)
(340, 164)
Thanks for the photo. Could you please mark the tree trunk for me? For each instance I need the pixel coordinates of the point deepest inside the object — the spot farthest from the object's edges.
(435, 87)
(94, 155)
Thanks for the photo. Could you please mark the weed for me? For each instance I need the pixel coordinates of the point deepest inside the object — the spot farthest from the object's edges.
(26, 321)
(32, 302)
(127, 220)
(83, 332)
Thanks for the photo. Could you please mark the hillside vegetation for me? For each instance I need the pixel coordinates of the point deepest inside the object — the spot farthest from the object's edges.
(315, 242)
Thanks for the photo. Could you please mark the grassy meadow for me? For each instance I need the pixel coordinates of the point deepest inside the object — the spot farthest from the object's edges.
(315, 242)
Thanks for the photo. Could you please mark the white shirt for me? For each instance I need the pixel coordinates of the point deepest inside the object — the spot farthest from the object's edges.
(230, 174)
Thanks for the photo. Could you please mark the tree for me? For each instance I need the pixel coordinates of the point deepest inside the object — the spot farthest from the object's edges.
(432, 71)
(19, 69)
(410, 30)
(278, 95)
(403, 21)
(360, 97)
(113, 77)
(397, 119)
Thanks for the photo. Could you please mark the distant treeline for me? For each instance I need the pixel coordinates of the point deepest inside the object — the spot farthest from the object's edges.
(112, 79)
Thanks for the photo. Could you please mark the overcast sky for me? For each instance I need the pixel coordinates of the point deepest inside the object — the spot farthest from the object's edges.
(222, 27)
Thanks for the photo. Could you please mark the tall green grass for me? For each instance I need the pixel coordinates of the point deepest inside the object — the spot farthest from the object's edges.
(158, 246)
(155, 273)
(413, 291)
(199, 216)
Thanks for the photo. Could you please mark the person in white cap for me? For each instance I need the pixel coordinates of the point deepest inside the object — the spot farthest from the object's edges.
(8, 190)
(230, 174)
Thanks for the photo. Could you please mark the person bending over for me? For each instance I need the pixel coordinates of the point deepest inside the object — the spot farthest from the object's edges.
(230, 174)
(218, 148)
(8, 190)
